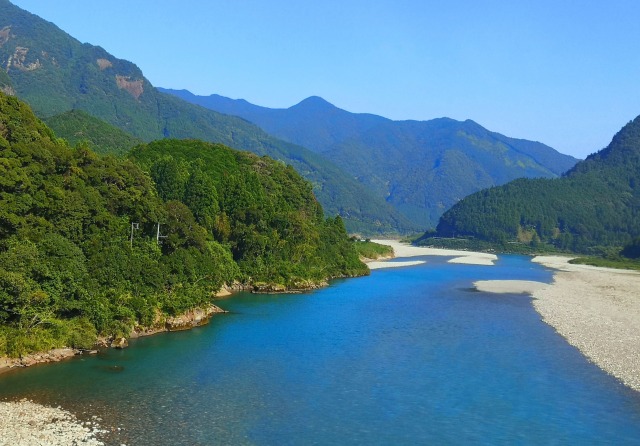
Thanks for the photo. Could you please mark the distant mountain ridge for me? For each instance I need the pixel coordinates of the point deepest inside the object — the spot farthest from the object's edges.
(313, 123)
(593, 207)
(420, 167)
(55, 73)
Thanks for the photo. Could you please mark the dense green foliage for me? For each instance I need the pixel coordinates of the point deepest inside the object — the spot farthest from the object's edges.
(370, 250)
(78, 249)
(610, 259)
(104, 139)
(419, 168)
(55, 73)
(596, 204)
(262, 209)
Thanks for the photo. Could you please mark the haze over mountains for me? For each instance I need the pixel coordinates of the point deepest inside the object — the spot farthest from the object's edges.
(379, 175)
(420, 167)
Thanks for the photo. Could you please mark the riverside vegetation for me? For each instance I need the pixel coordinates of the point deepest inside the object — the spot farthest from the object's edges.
(79, 255)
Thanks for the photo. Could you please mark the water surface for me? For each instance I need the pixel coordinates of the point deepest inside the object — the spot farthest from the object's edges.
(405, 356)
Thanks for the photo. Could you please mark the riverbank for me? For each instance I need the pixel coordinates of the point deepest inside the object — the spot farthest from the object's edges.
(24, 423)
(403, 250)
(597, 310)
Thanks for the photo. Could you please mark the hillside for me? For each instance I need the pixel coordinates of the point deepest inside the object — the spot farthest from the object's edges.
(79, 254)
(596, 204)
(55, 73)
(105, 139)
(421, 168)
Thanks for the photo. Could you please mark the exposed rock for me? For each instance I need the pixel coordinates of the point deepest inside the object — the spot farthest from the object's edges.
(8, 90)
(223, 292)
(192, 318)
(297, 287)
(55, 355)
(18, 60)
(120, 343)
(237, 286)
(5, 35)
(104, 64)
(134, 88)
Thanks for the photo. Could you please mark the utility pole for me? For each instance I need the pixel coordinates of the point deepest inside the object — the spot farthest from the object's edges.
(135, 226)
(158, 236)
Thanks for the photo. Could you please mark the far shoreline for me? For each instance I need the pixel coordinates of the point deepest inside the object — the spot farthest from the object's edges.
(404, 250)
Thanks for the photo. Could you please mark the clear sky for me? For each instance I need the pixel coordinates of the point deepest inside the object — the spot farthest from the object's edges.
(563, 72)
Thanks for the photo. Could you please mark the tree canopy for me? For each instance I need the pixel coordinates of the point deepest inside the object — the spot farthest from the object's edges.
(79, 253)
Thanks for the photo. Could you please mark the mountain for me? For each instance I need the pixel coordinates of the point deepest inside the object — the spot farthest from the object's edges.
(55, 73)
(80, 252)
(594, 205)
(313, 123)
(105, 139)
(421, 168)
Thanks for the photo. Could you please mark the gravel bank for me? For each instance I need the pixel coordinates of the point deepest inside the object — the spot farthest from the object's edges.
(509, 286)
(598, 311)
(27, 423)
(466, 257)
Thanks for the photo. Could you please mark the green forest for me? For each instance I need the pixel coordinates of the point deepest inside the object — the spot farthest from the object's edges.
(594, 208)
(80, 255)
(73, 76)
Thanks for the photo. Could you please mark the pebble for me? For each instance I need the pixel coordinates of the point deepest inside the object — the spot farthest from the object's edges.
(25, 423)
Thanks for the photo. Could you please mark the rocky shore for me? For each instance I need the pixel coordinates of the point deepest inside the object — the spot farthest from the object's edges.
(24, 423)
(190, 319)
(55, 355)
(598, 311)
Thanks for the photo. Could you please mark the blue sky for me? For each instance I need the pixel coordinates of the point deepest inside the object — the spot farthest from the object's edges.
(562, 72)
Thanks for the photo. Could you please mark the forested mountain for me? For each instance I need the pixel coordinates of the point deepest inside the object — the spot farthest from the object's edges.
(421, 168)
(55, 73)
(595, 204)
(313, 123)
(105, 139)
(79, 253)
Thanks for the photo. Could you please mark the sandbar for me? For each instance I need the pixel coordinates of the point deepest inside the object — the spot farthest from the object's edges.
(509, 286)
(377, 264)
(403, 250)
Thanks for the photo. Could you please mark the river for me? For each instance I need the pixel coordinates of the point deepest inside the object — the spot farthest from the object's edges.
(407, 355)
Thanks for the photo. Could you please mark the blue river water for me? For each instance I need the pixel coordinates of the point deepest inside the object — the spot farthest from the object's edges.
(408, 355)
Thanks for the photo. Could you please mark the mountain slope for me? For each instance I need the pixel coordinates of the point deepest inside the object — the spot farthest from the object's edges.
(55, 73)
(313, 123)
(105, 139)
(420, 167)
(596, 203)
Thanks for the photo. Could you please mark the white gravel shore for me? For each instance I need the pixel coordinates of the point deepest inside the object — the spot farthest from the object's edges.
(403, 250)
(24, 423)
(598, 311)
(509, 286)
